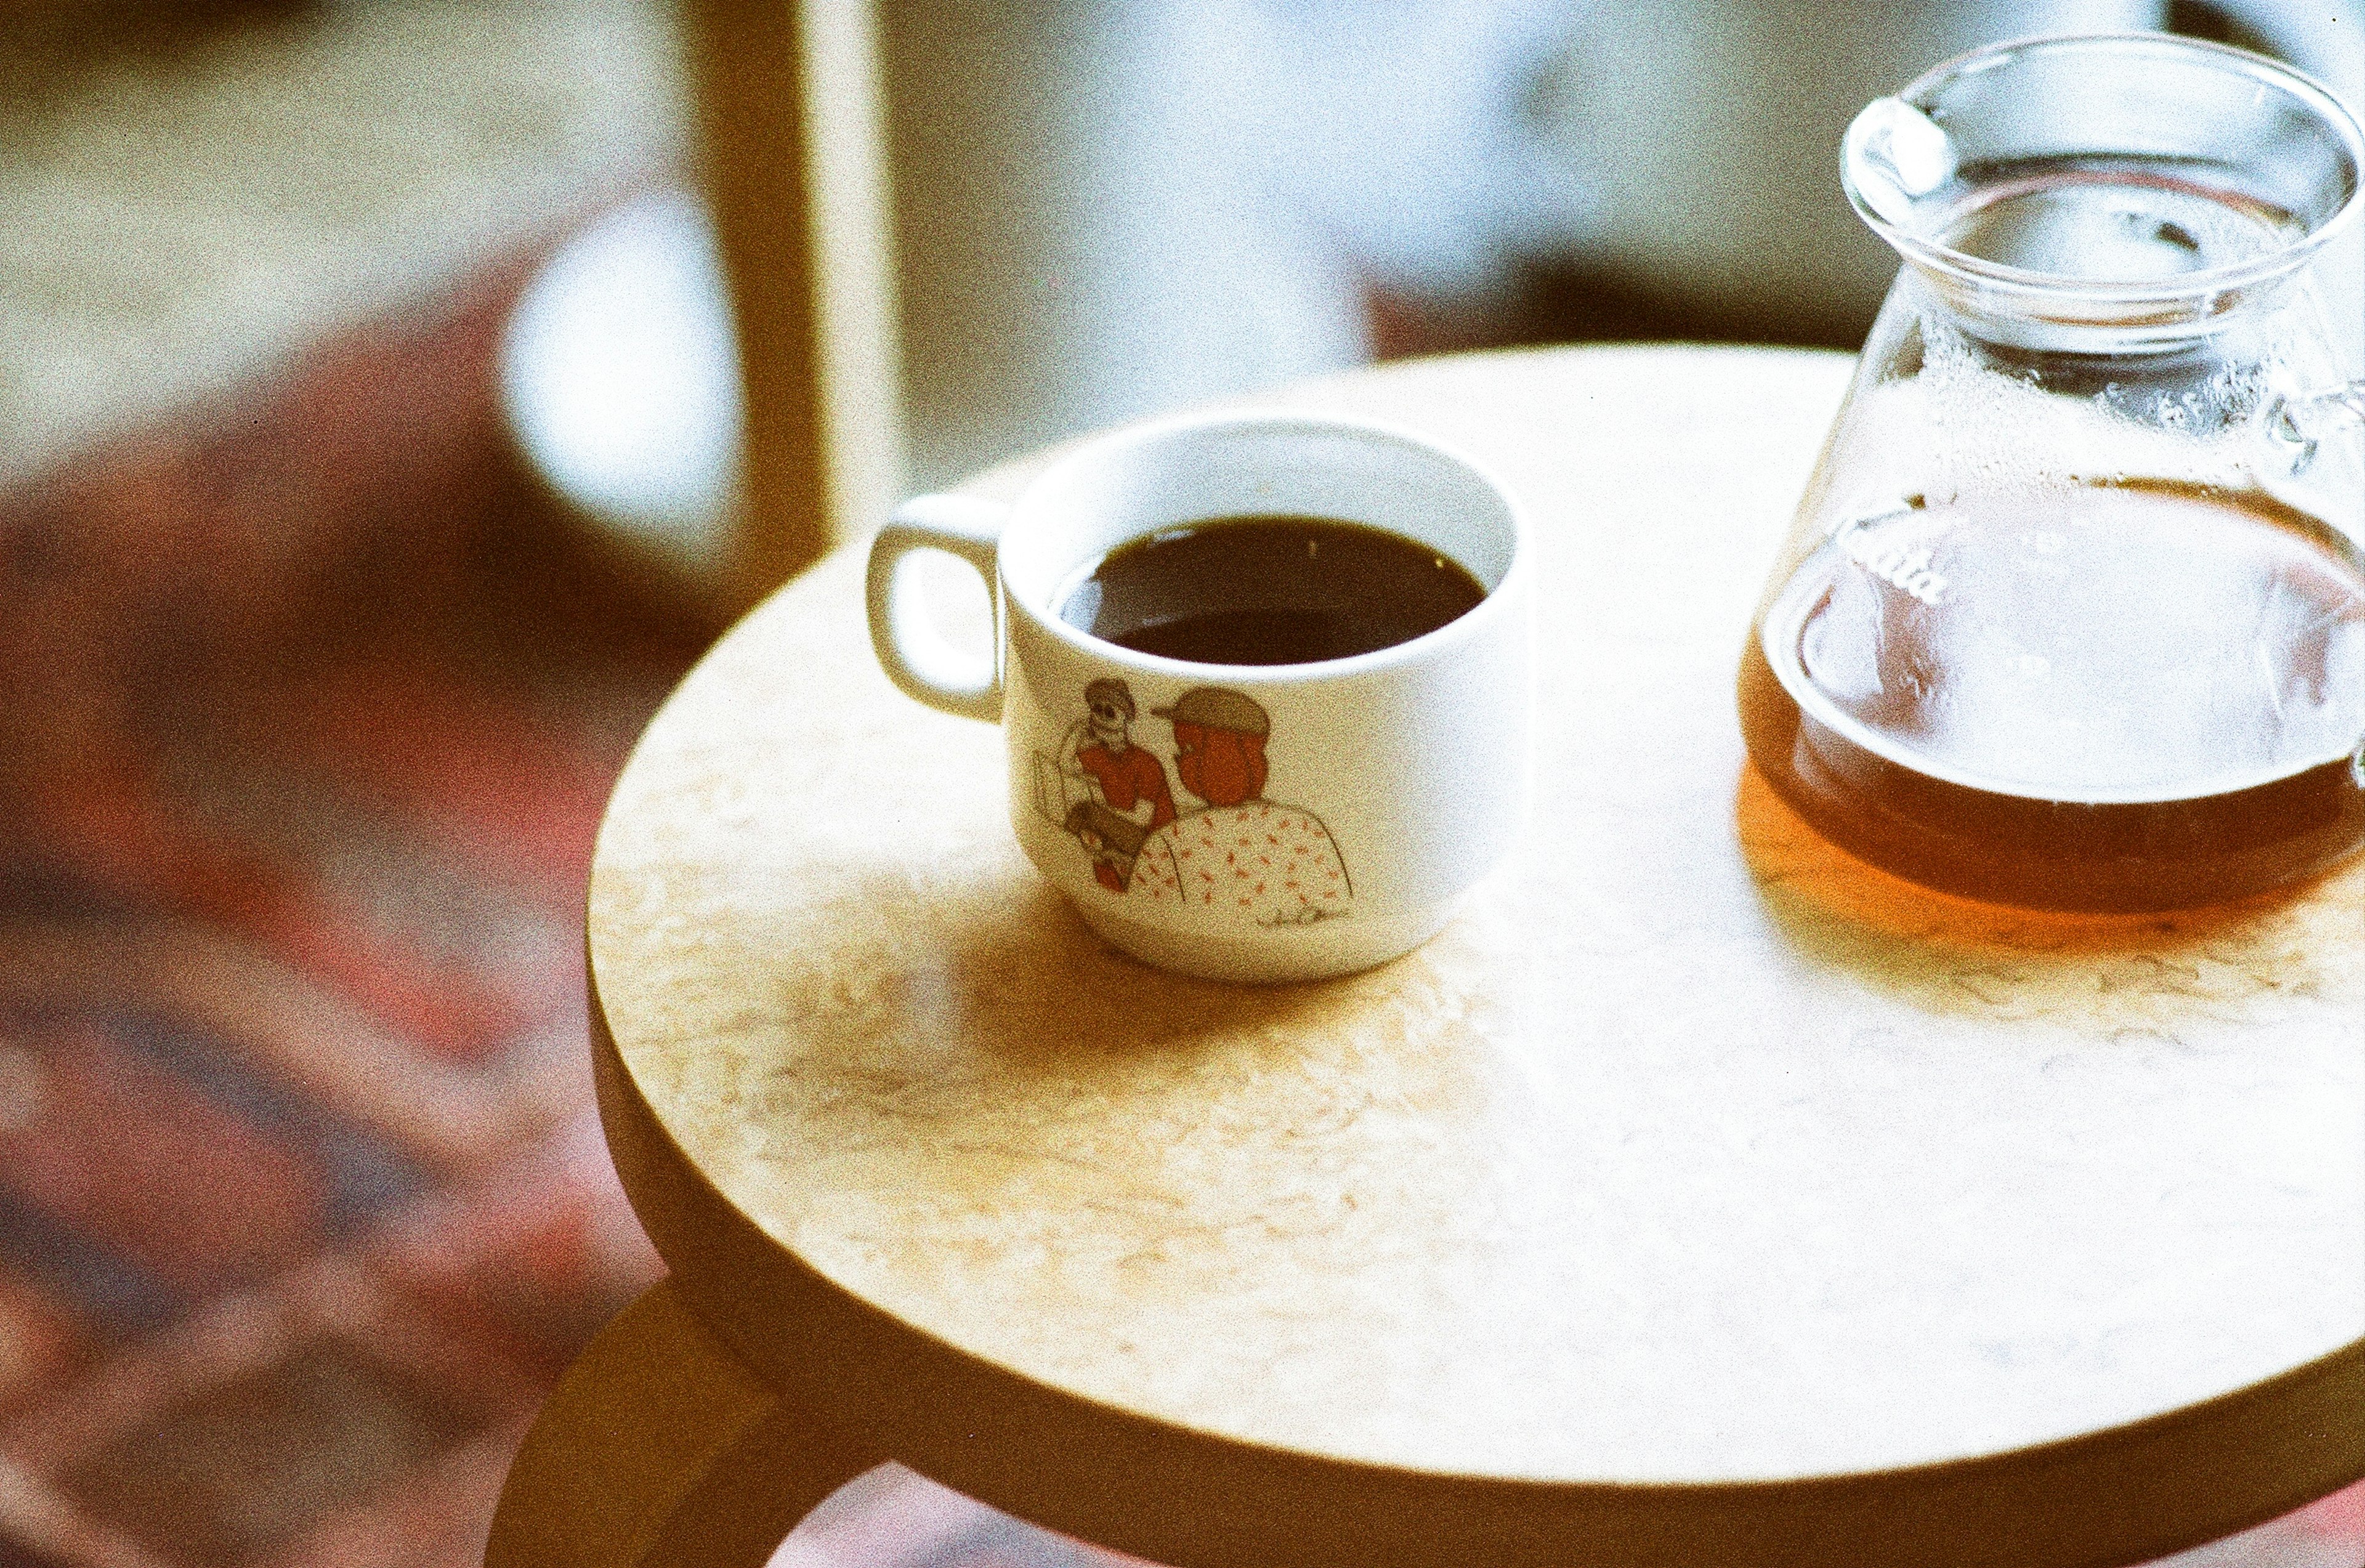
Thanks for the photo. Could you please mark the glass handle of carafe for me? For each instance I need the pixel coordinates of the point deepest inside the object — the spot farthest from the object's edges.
(2294, 423)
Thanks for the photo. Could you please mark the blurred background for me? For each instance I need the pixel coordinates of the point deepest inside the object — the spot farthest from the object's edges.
(396, 396)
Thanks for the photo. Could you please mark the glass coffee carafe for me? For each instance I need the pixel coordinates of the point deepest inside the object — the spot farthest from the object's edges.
(2073, 613)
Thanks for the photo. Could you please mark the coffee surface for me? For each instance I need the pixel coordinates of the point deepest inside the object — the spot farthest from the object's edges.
(1268, 590)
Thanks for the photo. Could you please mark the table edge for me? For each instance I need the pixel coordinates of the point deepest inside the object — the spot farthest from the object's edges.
(1181, 1496)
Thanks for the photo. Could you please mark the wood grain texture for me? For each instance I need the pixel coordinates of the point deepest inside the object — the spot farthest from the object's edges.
(1698, 1194)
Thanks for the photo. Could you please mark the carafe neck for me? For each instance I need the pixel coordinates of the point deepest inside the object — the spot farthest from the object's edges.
(2134, 195)
(2060, 319)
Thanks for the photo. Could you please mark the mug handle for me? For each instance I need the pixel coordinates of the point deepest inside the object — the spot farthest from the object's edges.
(916, 657)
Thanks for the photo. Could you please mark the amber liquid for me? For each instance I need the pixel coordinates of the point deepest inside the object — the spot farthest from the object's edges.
(2127, 697)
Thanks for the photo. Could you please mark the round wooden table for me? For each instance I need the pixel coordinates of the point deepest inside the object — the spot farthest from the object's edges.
(1700, 1196)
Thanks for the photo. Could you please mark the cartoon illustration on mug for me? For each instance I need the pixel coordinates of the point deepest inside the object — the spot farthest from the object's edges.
(1113, 839)
(1240, 856)
(1108, 791)
(1237, 856)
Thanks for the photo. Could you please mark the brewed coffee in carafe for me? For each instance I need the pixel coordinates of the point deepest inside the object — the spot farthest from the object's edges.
(2073, 613)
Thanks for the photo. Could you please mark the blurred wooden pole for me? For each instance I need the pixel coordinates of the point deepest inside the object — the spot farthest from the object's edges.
(793, 134)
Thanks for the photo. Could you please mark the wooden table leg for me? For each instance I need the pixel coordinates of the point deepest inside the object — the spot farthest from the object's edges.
(661, 1446)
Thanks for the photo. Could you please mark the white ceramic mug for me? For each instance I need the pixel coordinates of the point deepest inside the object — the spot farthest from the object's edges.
(1238, 821)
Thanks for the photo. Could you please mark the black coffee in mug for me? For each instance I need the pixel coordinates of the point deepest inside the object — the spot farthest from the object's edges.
(1268, 590)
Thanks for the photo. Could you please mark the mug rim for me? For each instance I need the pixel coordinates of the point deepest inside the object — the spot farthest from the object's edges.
(1475, 621)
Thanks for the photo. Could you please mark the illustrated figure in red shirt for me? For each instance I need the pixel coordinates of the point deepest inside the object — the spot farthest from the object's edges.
(1127, 774)
(1127, 795)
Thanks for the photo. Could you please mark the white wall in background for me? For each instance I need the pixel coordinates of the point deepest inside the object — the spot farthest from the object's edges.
(1710, 132)
(1108, 208)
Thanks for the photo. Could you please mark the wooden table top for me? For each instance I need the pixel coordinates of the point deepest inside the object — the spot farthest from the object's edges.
(1692, 1156)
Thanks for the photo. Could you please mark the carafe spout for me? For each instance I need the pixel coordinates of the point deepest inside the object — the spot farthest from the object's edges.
(1893, 156)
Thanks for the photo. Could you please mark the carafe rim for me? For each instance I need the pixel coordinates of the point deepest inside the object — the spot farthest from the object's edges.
(2210, 289)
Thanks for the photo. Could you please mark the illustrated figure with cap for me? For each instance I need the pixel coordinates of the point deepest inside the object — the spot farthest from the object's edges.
(1124, 794)
(1240, 857)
